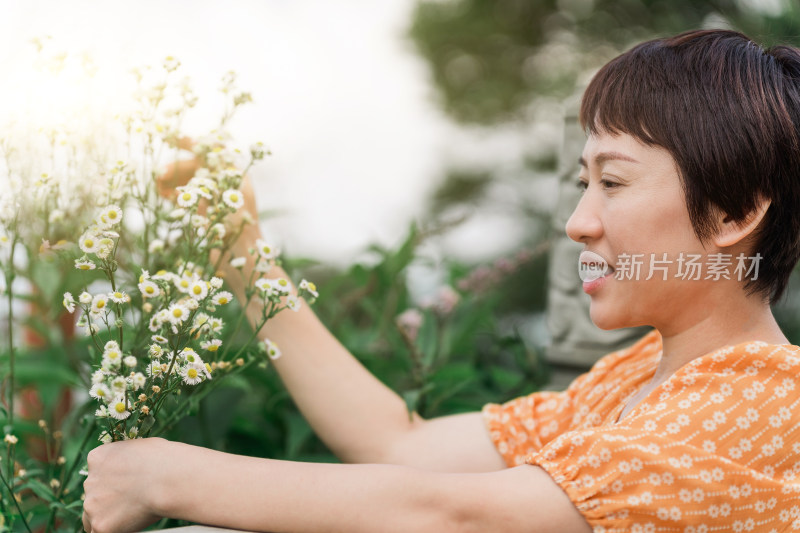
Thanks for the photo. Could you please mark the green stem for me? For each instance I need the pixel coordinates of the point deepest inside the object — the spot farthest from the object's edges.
(179, 412)
(11, 356)
(14, 499)
(65, 480)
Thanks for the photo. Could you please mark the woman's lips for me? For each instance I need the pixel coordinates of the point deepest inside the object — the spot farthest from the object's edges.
(593, 270)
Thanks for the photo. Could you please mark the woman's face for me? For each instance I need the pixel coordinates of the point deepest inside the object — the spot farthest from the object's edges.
(634, 204)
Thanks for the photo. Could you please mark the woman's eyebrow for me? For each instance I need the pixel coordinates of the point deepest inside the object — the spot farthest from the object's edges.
(602, 157)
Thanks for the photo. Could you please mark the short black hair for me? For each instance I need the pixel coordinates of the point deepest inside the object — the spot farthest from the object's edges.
(728, 111)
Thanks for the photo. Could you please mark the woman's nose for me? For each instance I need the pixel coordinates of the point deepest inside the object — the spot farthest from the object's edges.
(584, 224)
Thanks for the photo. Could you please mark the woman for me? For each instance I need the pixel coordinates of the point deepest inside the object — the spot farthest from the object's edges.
(693, 153)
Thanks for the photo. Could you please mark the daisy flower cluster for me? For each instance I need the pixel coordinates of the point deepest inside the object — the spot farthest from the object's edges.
(154, 321)
(183, 337)
(137, 259)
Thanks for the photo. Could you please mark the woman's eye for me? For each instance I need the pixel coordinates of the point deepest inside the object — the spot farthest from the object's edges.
(609, 184)
(582, 185)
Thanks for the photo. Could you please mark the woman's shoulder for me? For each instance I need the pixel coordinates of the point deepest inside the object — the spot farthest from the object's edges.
(752, 358)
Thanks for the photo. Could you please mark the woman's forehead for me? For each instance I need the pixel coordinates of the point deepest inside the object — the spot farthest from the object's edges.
(603, 147)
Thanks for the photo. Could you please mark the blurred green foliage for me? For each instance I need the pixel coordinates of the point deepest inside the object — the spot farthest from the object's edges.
(491, 58)
(458, 361)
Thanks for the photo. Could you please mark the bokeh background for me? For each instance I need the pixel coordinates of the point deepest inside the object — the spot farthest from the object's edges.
(377, 113)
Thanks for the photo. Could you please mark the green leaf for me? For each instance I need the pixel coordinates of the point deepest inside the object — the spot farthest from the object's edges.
(147, 423)
(505, 378)
(298, 433)
(414, 397)
(40, 489)
(412, 400)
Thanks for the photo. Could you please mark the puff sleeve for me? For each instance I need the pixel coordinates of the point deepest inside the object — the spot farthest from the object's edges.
(524, 425)
(715, 447)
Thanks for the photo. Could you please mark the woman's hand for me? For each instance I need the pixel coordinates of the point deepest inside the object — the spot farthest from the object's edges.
(125, 485)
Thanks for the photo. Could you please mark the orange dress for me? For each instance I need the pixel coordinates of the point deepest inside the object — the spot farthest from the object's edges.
(716, 447)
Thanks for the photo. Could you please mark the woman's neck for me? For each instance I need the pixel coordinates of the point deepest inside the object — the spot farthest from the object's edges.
(738, 322)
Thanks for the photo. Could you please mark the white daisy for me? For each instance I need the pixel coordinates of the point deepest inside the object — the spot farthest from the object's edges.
(149, 289)
(98, 376)
(198, 289)
(233, 198)
(218, 230)
(89, 243)
(112, 357)
(160, 340)
(215, 324)
(154, 369)
(111, 345)
(199, 221)
(163, 275)
(216, 283)
(258, 151)
(155, 351)
(177, 313)
(112, 215)
(100, 391)
(104, 437)
(265, 250)
(177, 214)
(155, 246)
(117, 408)
(119, 297)
(212, 345)
(190, 356)
(155, 323)
(183, 283)
(282, 285)
(138, 380)
(104, 248)
(272, 349)
(187, 197)
(262, 265)
(192, 374)
(85, 298)
(203, 191)
(119, 385)
(293, 302)
(222, 298)
(309, 287)
(99, 303)
(129, 361)
(68, 302)
(238, 262)
(265, 286)
(102, 412)
(84, 264)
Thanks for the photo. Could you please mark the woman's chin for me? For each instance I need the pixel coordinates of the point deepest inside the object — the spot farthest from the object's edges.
(605, 318)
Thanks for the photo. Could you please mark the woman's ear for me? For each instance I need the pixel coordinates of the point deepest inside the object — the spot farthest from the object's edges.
(730, 232)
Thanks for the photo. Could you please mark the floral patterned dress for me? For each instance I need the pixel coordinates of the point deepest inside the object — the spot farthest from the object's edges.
(716, 447)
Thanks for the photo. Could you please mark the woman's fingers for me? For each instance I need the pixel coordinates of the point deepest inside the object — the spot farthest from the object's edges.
(87, 523)
(176, 175)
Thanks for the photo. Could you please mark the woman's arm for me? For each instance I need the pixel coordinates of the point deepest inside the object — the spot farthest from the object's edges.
(358, 417)
(132, 483)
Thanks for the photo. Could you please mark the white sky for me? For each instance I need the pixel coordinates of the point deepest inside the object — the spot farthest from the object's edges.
(340, 97)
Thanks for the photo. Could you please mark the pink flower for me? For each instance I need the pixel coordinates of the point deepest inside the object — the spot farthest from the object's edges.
(409, 322)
